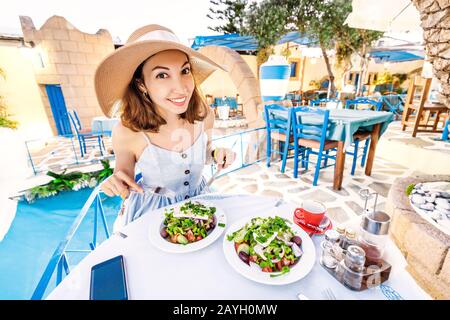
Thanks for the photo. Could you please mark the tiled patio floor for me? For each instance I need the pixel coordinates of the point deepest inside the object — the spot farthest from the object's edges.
(343, 205)
(58, 153)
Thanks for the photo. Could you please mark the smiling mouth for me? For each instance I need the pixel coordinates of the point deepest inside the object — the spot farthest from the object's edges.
(178, 102)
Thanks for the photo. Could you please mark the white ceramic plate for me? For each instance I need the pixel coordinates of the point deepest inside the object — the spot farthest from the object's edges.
(156, 224)
(297, 272)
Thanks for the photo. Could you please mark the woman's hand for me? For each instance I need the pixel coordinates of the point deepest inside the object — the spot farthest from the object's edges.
(119, 184)
(224, 157)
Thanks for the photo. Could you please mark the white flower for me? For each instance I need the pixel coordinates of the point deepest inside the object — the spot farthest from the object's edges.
(76, 187)
(92, 183)
(29, 197)
(84, 183)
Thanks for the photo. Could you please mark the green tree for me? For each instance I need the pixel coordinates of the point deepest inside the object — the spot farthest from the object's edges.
(266, 21)
(230, 13)
(359, 42)
(323, 21)
(318, 19)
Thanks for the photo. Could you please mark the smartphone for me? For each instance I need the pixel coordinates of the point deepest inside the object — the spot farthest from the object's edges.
(108, 280)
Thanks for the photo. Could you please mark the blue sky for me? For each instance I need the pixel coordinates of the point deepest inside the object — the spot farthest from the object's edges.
(186, 18)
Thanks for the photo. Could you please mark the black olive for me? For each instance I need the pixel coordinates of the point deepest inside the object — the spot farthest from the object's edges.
(297, 240)
(244, 257)
(163, 233)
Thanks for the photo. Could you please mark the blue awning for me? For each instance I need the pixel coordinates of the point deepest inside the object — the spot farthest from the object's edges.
(397, 55)
(245, 43)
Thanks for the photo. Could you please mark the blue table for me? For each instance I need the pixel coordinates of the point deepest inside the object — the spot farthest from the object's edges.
(344, 124)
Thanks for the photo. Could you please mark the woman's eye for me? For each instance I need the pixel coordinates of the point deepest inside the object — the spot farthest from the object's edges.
(186, 70)
(161, 75)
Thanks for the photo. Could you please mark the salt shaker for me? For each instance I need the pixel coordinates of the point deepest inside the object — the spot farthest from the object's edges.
(328, 246)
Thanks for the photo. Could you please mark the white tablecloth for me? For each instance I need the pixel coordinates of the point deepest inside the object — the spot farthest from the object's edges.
(205, 274)
(103, 124)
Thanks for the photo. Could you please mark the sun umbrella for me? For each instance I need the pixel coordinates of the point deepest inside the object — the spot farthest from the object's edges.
(384, 15)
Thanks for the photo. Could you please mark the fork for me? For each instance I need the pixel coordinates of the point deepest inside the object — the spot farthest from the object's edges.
(214, 176)
(329, 294)
(120, 234)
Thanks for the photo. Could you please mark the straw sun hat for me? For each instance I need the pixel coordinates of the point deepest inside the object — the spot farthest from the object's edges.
(115, 72)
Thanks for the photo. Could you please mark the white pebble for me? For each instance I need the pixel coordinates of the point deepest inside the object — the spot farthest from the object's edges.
(435, 194)
(417, 199)
(436, 215)
(427, 206)
(443, 203)
(442, 210)
(430, 199)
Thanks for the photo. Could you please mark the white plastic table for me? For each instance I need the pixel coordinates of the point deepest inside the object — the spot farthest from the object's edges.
(103, 124)
(206, 275)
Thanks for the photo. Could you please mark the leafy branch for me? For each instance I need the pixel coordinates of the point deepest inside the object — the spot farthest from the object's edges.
(69, 181)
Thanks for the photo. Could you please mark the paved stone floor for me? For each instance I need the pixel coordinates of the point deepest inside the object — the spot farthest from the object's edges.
(58, 153)
(422, 140)
(343, 205)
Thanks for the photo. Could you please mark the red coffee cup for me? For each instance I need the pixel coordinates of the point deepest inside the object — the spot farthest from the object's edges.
(311, 212)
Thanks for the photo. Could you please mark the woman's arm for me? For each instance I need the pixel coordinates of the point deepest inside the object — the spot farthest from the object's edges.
(123, 177)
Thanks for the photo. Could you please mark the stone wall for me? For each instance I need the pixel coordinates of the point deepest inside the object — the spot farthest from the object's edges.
(425, 247)
(435, 17)
(69, 58)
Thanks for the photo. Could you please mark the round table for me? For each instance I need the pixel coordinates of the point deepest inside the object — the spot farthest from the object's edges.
(205, 274)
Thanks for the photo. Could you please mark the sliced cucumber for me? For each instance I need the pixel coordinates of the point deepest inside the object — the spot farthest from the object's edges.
(239, 237)
(182, 239)
(243, 247)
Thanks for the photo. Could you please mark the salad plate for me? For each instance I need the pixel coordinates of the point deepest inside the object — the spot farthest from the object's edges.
(186, 227)
(269, 249)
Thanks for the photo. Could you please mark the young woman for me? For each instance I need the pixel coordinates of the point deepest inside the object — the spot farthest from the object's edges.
(165, 127)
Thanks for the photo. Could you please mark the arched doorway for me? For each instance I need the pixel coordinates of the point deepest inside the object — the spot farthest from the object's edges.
(243, 78)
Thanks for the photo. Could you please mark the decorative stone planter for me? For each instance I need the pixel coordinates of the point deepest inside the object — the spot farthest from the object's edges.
(425, 247)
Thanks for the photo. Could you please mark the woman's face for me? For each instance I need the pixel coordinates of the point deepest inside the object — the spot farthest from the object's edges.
(167, 76)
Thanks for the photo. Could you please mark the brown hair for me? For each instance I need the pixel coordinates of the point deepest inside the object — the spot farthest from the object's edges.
(139, 112)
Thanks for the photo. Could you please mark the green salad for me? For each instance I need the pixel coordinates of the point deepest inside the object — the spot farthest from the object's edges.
(188, 223)
(268, 242)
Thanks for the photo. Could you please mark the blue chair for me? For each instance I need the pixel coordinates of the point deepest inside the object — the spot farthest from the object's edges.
(310, 127)
(323, 102)
(357, 138)
(361, 136)
(445, 132)
(294, 97)
(353, 104)
(229, 101)
(278, 126)
(85, 138)
(393, 103)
